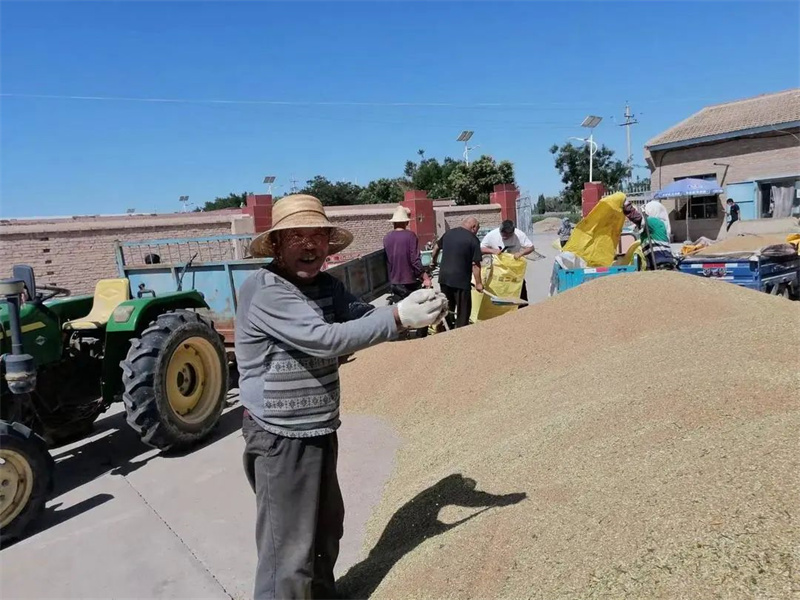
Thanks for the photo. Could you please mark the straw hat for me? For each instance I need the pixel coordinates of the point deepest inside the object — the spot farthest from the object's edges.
(294, 212)
(400, 215)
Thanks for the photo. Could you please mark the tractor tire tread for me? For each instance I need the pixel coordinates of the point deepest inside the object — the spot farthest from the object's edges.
(35, 449)
(139, 379)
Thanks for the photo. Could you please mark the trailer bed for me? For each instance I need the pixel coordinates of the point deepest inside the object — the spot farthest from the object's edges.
(220, 266)
(772, 274)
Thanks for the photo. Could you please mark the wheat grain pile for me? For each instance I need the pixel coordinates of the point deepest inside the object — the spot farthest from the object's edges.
(744, 243)
(651, 421)
(547, 225)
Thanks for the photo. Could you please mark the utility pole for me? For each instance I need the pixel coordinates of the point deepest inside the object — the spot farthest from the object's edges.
(629, 120)
(294, 185)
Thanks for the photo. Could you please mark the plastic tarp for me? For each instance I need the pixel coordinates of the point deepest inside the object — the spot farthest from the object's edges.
(596, 238)
(502, 278)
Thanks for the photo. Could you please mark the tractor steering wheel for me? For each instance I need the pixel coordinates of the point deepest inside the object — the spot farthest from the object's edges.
(54, 292)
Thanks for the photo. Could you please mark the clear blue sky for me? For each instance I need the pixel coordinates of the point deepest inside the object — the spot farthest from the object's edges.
(547, 64)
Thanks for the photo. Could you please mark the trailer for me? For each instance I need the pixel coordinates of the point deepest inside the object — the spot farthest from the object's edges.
(766, 270)
(217, 266)
(563, 279)
(570, 278)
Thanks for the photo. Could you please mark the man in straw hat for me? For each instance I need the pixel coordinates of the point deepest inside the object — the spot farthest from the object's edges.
(406, 273)
(292, 324)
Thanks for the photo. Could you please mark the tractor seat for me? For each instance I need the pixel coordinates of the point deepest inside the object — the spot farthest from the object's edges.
(108, 294)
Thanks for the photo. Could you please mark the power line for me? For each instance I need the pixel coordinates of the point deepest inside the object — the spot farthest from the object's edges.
(565, 105)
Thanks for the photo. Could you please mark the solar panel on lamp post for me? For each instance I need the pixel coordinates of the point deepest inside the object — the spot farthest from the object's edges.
(465, 137)
(269, 180)
(185, 201)
(591, 122)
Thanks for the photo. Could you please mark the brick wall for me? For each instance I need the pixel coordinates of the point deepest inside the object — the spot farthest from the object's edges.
(451, 216)
(368, 224)
(75, 253)
(749, 159)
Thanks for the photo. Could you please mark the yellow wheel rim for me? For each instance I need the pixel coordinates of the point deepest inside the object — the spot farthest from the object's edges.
(16, 485)
(194, 377)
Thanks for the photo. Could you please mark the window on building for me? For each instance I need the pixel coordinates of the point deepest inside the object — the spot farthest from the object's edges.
(700, 207)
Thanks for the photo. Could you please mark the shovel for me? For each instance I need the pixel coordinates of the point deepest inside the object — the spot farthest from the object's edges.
(497, 300)
(505, 301)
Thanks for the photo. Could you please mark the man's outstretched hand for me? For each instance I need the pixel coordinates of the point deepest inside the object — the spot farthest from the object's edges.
(420, 309)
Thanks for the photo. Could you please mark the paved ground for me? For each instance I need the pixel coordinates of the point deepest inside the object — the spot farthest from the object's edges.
(127, 522)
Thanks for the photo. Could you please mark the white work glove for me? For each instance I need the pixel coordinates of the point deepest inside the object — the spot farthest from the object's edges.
(422, 308)
(444, 310)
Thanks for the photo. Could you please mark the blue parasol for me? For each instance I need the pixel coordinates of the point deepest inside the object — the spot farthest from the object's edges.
(690, 187)
(687, 188)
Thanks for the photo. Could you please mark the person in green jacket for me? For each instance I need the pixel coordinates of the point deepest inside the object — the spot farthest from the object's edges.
(653, 236)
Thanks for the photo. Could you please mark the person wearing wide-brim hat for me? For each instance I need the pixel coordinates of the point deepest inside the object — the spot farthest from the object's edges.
(295, 212)
(292, 323)
(403, 258)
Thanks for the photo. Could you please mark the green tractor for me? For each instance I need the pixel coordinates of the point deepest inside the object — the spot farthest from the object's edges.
(65, 359)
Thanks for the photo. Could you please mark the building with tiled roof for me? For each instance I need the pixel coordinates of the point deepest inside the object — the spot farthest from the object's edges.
(751, 147)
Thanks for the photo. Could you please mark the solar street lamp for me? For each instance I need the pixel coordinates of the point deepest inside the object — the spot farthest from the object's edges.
(465, 137)
(590, 123)
(185, 201)
(269, 180)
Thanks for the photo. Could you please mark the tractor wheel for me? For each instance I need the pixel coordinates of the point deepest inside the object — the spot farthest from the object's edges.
(26, 479)
(176, 380)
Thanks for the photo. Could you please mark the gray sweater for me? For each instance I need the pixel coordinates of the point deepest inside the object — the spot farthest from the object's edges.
(288, 340)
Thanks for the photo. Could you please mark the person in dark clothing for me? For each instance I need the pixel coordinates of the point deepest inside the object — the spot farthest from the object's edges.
(293, 322)
(733, 213)
(460, 263)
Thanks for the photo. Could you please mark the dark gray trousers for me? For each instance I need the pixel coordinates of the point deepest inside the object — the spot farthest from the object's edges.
(459, 302)
(299, 512)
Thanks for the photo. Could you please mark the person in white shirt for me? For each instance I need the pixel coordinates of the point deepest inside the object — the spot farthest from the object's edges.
(507, 238)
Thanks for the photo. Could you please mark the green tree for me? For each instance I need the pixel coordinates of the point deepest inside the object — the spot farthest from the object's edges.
(572, 162)
(541, 204)
(383, 191)
(430, 175)
(472, 184)
(331, 193)
(230, 201)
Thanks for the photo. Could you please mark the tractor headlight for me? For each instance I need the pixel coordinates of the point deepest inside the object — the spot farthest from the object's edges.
(121, 314)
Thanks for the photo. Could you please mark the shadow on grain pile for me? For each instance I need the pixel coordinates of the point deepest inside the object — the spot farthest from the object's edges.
(415, 522)
(650, 419)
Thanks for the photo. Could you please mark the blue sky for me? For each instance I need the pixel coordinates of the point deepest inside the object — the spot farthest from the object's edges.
(546, 65)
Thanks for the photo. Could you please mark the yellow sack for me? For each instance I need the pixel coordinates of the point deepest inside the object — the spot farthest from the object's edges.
(502, 278)
(596, 238)
(634, 252)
